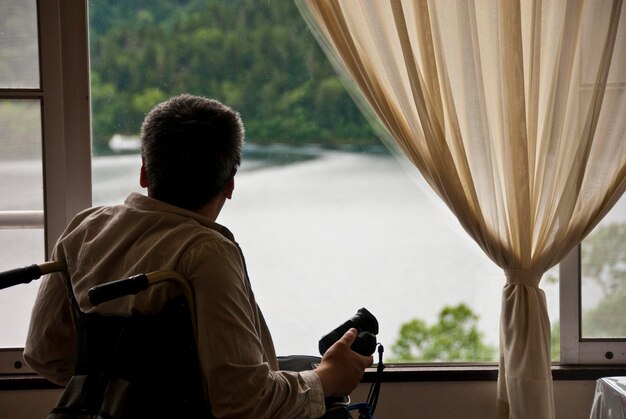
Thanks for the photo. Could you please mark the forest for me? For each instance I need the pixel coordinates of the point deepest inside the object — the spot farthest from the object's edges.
(256, 56)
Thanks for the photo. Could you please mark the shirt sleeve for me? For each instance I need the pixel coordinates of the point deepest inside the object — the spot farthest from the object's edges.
(50, 348)
(235, 364)
(317, 403)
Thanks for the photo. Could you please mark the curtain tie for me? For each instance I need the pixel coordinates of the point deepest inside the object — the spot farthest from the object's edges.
(526, 277)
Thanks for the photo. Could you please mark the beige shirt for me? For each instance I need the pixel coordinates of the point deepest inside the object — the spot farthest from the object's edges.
(235, 348)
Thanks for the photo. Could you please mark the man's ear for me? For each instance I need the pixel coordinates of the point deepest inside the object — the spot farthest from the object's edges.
(143, 177)
(230, 187)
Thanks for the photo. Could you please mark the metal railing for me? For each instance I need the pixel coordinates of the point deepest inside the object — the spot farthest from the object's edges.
(21, 219)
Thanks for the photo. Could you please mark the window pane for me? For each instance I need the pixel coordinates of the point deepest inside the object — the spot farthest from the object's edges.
(19, 248)
(603, 253)
(21, 179)
(603, 293)
(21, 184)
(328, 220)
(19, 50)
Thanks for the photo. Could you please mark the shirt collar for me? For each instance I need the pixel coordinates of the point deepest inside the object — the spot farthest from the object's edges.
(145, 203)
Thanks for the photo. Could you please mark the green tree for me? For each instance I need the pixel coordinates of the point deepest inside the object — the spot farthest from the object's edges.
(604, 263)
(556, 342)
(455, 337)
(18, 34)
(24, 139)
(604, 257)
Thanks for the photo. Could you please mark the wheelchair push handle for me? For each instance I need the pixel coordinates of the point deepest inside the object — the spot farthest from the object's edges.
(28, 273)
(115, 289)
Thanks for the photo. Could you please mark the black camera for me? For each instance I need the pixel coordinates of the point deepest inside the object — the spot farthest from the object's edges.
(365, 343)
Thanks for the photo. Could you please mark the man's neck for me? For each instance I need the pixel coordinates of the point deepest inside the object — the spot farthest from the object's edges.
(212, 209)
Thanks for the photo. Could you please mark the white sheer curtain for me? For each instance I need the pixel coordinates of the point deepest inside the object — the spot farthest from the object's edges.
(513, 112)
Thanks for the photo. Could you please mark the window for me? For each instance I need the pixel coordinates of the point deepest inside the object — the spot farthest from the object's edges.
(21, 209)
(592, 326)
(592, 292)
(44, 128)
(328, 219)
(602, 278)
(593, 330)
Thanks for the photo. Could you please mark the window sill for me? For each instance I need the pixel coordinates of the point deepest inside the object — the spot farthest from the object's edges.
(393, 373)
(399, 373)
(28, 381)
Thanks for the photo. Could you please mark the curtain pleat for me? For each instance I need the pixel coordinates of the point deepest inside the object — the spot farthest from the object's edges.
(512, 111)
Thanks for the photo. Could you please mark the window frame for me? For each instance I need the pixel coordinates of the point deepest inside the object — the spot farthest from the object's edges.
(66, 130)
(66, 115)
(576, 350)
(64, 46)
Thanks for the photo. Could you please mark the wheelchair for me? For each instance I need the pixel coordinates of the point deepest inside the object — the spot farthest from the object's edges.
(120, 371)
(142, 366)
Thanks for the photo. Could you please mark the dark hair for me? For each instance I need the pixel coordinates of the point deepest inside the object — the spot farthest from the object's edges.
(191, 148)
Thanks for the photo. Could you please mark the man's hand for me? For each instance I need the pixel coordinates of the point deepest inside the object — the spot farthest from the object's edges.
(341, 369)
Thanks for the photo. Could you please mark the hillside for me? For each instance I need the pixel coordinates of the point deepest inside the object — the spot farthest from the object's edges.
(256, 56)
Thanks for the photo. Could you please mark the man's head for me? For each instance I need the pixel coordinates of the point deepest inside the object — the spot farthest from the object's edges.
(191, 148)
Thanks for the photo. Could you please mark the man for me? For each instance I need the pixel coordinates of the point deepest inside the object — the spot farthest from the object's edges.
(191, 149)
